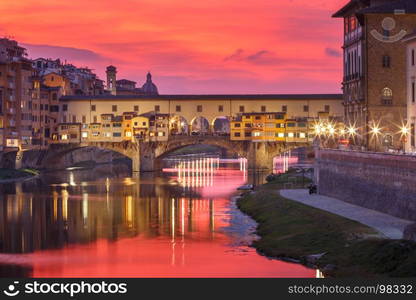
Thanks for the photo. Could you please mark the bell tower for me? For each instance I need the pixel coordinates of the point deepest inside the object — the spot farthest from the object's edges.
(111, 79)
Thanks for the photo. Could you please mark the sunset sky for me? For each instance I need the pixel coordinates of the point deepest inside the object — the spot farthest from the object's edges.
(210, 46)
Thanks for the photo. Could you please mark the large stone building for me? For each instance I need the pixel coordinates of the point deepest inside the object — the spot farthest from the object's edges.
(374, 81)
(15, 96)
(410, 41)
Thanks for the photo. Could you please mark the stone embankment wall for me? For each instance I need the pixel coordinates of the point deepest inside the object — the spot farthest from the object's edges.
(47, 159)
(379, 181)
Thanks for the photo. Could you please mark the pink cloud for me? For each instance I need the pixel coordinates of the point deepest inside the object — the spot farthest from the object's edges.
(190, 47)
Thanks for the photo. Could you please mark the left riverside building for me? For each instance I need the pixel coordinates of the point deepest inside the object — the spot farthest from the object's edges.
(16, 88)
(29, 96)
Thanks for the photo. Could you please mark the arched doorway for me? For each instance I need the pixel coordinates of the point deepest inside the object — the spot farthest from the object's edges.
(199, 126)
(178, 126)
(221, 126)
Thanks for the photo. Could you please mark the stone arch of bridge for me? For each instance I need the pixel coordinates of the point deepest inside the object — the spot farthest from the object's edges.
(58, 153)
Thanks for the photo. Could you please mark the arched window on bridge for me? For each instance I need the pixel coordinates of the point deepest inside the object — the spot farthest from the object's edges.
(221, 126)
(199, 126)
(178, 126)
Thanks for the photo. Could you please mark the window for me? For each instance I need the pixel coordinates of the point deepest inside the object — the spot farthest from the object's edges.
(54, 96)
(263, 108)
(136, 108)
(199, 108)
(387, 96)
(95, 119)
(241, 108)
(413, 91)
(247, 134)
(157, 108)
(386, 61)
(290, 135)
(305, 108)
(237, 134)
(220, 108)
(413, 57)
(116, 134)
(84, 134)
(327, 108)
(64, 107)
(93, 107)
(178, 108)
(284, 108)
(237, 125)
(114, 108)
(291, 125)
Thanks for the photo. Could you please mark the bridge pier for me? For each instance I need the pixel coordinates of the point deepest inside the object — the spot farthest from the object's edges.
(260, 157)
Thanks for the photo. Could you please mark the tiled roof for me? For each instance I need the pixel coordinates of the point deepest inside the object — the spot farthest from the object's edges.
(398, 6)
(207, 97)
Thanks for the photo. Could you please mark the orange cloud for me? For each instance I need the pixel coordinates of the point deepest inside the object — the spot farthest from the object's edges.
(278, 46)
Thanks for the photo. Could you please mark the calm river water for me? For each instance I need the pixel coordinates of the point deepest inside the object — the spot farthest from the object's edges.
(105, 223)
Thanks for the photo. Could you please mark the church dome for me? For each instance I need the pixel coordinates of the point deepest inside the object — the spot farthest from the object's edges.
(149, 88)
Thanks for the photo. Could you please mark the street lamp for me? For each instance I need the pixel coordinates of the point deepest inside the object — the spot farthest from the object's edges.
(375, 130)
(404, 130)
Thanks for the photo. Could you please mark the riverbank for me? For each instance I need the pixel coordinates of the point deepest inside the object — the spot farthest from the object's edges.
(338, 246)
(10, 175)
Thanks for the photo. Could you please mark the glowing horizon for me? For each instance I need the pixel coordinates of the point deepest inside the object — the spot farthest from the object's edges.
(205, 47)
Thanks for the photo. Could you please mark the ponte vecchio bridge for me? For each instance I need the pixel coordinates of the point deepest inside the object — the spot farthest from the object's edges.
(146, 155)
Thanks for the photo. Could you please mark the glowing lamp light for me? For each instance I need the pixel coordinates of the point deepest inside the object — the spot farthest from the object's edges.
(351, 130)
(375, 130)
(404, 130)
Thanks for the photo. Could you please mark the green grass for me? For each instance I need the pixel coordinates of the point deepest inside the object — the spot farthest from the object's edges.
(6, 174)
(291, 230)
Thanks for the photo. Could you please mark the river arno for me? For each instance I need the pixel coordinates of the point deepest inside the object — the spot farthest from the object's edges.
(106, 223)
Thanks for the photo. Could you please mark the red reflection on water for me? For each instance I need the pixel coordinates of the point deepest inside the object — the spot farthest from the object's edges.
(142, 257)
(156, 236)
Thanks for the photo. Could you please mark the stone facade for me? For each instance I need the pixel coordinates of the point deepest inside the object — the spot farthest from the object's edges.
(374, 82)
(411, 92)
(379, 181)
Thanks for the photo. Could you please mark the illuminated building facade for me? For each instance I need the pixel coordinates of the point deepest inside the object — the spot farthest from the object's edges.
(374, 81)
